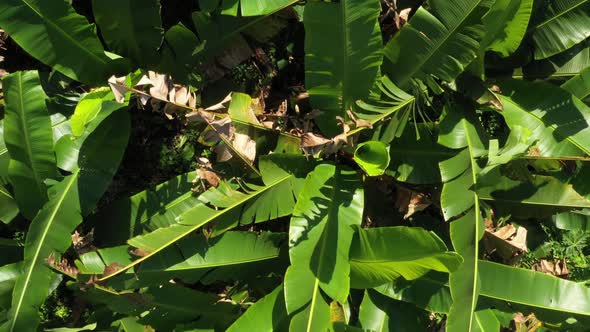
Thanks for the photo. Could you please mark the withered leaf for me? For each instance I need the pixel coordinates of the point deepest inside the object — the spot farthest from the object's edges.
(117, 85)
(139, 253)
(160, 85)
(559, 269)
(111, 268)
(245, 146)
(222, 105)
(410, 202)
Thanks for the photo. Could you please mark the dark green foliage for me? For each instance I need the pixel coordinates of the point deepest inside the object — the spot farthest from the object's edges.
(294, 166)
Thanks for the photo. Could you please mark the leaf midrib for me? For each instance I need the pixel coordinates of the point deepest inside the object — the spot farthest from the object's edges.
(474, 296)
(444, 40)
(40, 244)
(196, 226)
(212, 265)
(513, 300)
(26, 134)
(553, 18)
(553, 127)
(63, 33)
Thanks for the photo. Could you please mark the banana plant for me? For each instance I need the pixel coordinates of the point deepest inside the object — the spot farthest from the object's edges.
(380, 230)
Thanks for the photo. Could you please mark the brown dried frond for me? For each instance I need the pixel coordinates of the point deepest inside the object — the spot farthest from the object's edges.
(62, 266)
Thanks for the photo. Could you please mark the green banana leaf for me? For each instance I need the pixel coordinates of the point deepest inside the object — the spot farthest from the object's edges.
(92, 109)
(390, 114)
(8, 206)
(459, 129)
(429, 292)
(62, 213)
(12, 251)
(486, 321)
(164, 307)
(343, 55)
(563, 65)
(321, 229)
(560, 299)
(522, 286)
(194, 257)
(283, 177)
(267, 314)
(4, 156)
(178, 55)
(131, 28)
(221, 32)
(373, 157)
(506, 24)
(304, 302)
(29, 140)
(263, 7)
(578, 220)
(560, 25)
(441, 42)
(416, 161)
(53, 33)
(145, 211)
(540, 191)
(380, 255)
(8, 275)
(380, 314)
(559, 122)
(578, 85)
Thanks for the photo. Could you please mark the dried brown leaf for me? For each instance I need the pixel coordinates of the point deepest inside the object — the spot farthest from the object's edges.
(62, 265)
(221, 106)
(558, 269)
(160, 85)
(111, 268)
(245, 146)
(117, 85)
(139, 252)
(409, 201)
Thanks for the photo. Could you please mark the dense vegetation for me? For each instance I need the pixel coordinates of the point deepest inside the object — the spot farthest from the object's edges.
(263, 165)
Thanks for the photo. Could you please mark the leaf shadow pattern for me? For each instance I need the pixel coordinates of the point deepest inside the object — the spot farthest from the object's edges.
(319, 230)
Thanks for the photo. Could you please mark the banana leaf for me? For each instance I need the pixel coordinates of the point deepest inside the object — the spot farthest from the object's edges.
(145, 211)
(573, 220)
(579, 85)
(416, 161)
(459, 129)
(559, 26)
(62, 213)
(131, 28)
(226, 207)
(441, 42)
(509, 288)
(342, 47)
(429, 292)
(4, 156)
(563, 65)
(380, 313)
(389, 115)
(305, 304)
(380, 255)
(321, 230)
(53, 33)
(559, 122)
(320, 236)
(267, 314)
(263, 7)
(198, 259)
(8, 206)
(506, 24)
(29, 140)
